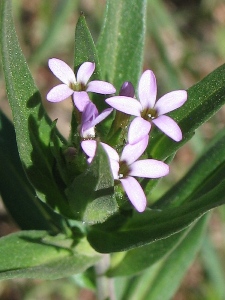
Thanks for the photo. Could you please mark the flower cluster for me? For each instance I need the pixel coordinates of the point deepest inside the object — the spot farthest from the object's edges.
(147, 111)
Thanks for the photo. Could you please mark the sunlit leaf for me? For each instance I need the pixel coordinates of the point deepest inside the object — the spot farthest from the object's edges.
(35, 254)
(31, 124)
(91, 193)
(121, 43)
(153, 225)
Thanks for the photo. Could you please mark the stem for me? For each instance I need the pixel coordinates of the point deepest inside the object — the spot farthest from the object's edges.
(105, 286)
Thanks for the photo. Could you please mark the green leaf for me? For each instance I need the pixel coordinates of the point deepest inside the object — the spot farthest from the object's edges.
(145, 256)
(205, 174)
(31, 124)
(57, 144)
(121, 43)
(153, 225)
(17, 193)
(91, 195)
(162, 279)
(85, 49)
(213, 267)
(35, 254)
(204, 99)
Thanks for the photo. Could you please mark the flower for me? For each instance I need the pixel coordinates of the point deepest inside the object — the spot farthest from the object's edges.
(90, 118)
(77, 87)
(125, 167)
(148, 110)
(127, 89)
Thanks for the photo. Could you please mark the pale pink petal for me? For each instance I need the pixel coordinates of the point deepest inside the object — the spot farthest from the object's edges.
(81, 99)
(170, 101)
(89, 160)
(149, 168)
(114, 168)
(131, 153)
(84, 72)
(127, 105)
(169, 127)
(59, 93)
(62, 71)
(102, 116)
(135, 193)
(89, 147)
(127, 89)
(100, 87)
(111, 152)
(138, 129)
(147, 89)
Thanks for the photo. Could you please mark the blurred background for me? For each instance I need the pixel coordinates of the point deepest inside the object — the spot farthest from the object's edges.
(185, 41)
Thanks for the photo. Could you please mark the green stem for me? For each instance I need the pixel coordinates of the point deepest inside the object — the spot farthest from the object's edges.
(105, 286)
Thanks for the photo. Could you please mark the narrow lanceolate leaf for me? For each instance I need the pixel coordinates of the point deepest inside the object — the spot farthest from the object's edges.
(16, 192)
(204, 99)
(144, 256)
(121, 43)
(163, 279)
(85, 49)
(35, 254)
(154, 225)
(205, 174)
(213, 267)
(91, 195)
(31, 125)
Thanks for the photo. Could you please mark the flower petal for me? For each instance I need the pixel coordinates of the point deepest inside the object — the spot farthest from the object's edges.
(138, 129)
(127, 89)
(147, 89)
(127, 105)
(149, 168)
(169, 127)
(87, 133)
(131, 153)
(100, 87)
(59, 93)
(89, 147)
(114, 168)
(81, 99)
(111, 152)
(62, 71)
(84, 72)
(135, 193)
(89, 114)
(102, 116)
(170, 101)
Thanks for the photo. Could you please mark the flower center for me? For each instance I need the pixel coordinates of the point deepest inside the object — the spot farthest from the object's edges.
(124, 169)
(149, 114)
(78, 87)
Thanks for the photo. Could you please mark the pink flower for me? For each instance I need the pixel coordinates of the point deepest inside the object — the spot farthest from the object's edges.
(77, 87)
(148, 110)
(125, 167)
(90, 118)
(127, 89)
